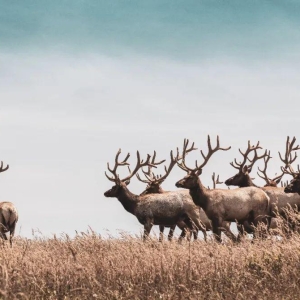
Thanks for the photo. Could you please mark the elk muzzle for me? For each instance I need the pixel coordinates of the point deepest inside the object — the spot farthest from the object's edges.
(228, 181)
(288, 189)
(180, 183)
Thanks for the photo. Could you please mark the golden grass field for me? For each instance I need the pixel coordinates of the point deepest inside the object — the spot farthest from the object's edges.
(91, 267)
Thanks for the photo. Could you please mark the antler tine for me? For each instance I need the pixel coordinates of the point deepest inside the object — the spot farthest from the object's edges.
(288, 170)
(117, 164)
(182, 165)
(215, 182)
(292, 144)
(140, 179)
(3, 169)
(288, 157)
(237, 165)
(153, 160)
(245, 154)
(211, 151)
(110, 178)
(266, 157)
(257, 157)
(150, 175)
(140, 163)
(168, 170)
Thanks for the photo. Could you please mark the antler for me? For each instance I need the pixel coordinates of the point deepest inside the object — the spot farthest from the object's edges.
(250, 148)
(3, 169)
(290, 171)
(215, 181)
(158, 179)
(150, 175)
(265, 176)
(140, 163)
(288, 157)
(211, 151)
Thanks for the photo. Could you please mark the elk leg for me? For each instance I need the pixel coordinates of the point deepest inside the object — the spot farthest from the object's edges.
(195, 234)
(228, 232)
(12, 233)
(147, 229)
(171, 232)
(182, 235)
(217, 230)
(241, 231)
(161, 232)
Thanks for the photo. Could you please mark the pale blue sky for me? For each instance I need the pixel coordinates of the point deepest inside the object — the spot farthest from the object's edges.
(80, 79)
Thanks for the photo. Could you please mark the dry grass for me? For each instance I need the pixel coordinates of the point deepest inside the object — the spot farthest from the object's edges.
(90, 267)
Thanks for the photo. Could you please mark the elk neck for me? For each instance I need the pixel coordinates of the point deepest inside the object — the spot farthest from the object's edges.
(246, 181)
(200, 194)
(128, 200)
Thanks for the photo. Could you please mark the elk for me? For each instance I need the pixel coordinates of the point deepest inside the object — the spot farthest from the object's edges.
(164, 209)
(294, 185)
(249, 204)
(8, 220)
(279, 201)
(8, 215)
(154, 186)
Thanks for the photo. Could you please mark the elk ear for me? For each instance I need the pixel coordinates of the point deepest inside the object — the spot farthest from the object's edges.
(245, 169)
(278, 180)
(199, 172)
(127, 182)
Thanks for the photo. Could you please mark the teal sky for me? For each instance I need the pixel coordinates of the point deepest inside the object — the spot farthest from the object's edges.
(81, 79)
(185, 30)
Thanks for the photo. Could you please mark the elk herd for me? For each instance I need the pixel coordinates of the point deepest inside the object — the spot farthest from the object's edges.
(196, 207)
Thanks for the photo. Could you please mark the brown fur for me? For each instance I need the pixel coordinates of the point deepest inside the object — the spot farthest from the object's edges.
(8, 220)
(155, 188)
(279, 201)
(240, 205)
(155, 209)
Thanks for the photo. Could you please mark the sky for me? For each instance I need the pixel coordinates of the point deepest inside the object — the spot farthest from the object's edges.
(81, 79)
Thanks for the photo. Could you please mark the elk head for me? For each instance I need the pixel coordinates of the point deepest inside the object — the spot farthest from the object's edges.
(122, 183)
(153, 182)
(294, 185)
(242, 178)
(287, 159)
(191, 179)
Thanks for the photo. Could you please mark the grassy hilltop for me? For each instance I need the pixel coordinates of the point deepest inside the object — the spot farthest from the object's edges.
(90, 267)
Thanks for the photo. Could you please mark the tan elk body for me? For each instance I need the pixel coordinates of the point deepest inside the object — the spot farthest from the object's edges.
(154, 187)
(8, 215)
(239, 205)
(8, 220)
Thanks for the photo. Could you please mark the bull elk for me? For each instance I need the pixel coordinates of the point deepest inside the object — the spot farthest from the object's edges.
(154, 186)
(8, 215)
(249, 204)
(164, 209)
(8, 220)
(279, 201)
